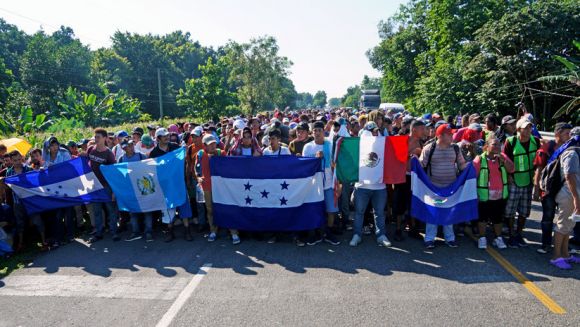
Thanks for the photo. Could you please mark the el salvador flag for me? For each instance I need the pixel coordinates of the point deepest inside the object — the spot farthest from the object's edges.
(278, 193)
(448, 205)
(149, 185)
(62, 185)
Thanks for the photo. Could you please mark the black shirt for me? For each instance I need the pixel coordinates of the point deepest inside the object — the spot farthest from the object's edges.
(157, 152)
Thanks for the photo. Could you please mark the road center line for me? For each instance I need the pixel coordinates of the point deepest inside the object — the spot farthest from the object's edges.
(183, 296)
(546, 300)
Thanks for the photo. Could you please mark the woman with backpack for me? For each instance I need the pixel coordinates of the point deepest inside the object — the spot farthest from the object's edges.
(492, 169)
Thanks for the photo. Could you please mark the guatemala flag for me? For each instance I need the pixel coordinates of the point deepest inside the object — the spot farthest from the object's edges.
(149, 185)
(66, 184)
(278, 193)
(448, 205)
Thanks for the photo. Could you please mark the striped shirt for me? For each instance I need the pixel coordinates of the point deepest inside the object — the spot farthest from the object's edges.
(444, 164)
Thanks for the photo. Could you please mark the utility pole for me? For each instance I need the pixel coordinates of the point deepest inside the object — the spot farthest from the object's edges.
(160, 96)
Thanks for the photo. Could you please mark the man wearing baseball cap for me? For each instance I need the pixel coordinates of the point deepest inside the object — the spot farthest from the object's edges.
(204, 178)
(436, 158)
(507, 128)
(163, 147)
(521, 150)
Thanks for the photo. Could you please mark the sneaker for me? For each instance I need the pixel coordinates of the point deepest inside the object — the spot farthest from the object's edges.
(414, 233)
(313, 240)
(513, 243)
(211, 237)
(429, 244)
(521, 242)
(561, 263)
(349, 226)
(148, 237)
(452, 244)
(331, 239)
(383, 241)
(188, 236)
(133, 237)
(573, 259)
(367, 230)
(299, 242)
(482, 243)
(460, 231)
(355, 240)
(498, 243)
(272, 239)
(236, 239)
(94, 239)
(169, 237)
(116, 238)
(543, 249)
(399, 235)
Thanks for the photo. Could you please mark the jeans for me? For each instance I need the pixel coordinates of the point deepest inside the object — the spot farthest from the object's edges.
(66, 215)
(148, 222)
(378, 199)
(431, 232)
(97, 209)
(548, 214)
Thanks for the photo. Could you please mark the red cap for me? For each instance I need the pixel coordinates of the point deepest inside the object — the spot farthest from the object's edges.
(443, 129)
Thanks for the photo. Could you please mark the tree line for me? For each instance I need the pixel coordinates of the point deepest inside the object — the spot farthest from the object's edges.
(460, 56)
(55, 79)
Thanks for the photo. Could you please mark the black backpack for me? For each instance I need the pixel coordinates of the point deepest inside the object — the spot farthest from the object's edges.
(551, 180)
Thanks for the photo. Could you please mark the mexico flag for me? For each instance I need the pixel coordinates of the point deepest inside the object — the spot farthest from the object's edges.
(371, 159)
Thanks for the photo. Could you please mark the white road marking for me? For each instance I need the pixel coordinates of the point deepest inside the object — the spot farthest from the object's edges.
(183, 296)
(146, 288)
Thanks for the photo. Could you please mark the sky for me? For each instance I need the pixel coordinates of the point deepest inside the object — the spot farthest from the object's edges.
(326, 40)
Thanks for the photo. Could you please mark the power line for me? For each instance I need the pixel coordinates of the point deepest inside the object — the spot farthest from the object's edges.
(44, 23)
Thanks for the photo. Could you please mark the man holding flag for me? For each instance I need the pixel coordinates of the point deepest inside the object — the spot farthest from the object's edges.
(99, 154)
(442, 160)
(322, 148)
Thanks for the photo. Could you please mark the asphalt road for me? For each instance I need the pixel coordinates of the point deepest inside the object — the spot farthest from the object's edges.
(259, 284)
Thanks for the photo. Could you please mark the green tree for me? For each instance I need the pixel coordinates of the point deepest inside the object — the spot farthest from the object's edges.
(304, 100)
(51, 64)
(12, 45)
(334, 102)
(352, 97)
(257, 72)
(208, 96)
(319, 99)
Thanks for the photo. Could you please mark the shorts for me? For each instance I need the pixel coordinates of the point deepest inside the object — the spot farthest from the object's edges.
(563, 220)
(491, 211)
(331, 207)
(520, 200)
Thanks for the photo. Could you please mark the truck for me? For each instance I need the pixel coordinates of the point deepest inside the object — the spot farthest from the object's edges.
(370, 99)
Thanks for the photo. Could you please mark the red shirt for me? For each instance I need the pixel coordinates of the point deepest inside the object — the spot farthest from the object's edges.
(205, 171)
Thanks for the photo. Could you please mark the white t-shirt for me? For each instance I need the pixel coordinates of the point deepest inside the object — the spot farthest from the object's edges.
(310, 150)
(281, 151)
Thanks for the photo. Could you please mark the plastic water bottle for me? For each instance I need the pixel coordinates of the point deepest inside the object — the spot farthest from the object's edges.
(199, 196)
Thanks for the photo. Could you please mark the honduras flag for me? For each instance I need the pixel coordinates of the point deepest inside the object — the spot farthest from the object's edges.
(448, 205)
(278, 193)
(66, 184)
(149, 185)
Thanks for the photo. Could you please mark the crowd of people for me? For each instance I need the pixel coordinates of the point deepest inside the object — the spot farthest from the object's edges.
(508, 154)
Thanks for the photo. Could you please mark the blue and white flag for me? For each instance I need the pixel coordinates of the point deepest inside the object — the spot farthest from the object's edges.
(279, 193)
(149, 185)
(448, 205)
(66, 184)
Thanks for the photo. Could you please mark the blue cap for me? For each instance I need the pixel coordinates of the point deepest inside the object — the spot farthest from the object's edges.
(122, 134)
(427, 116)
